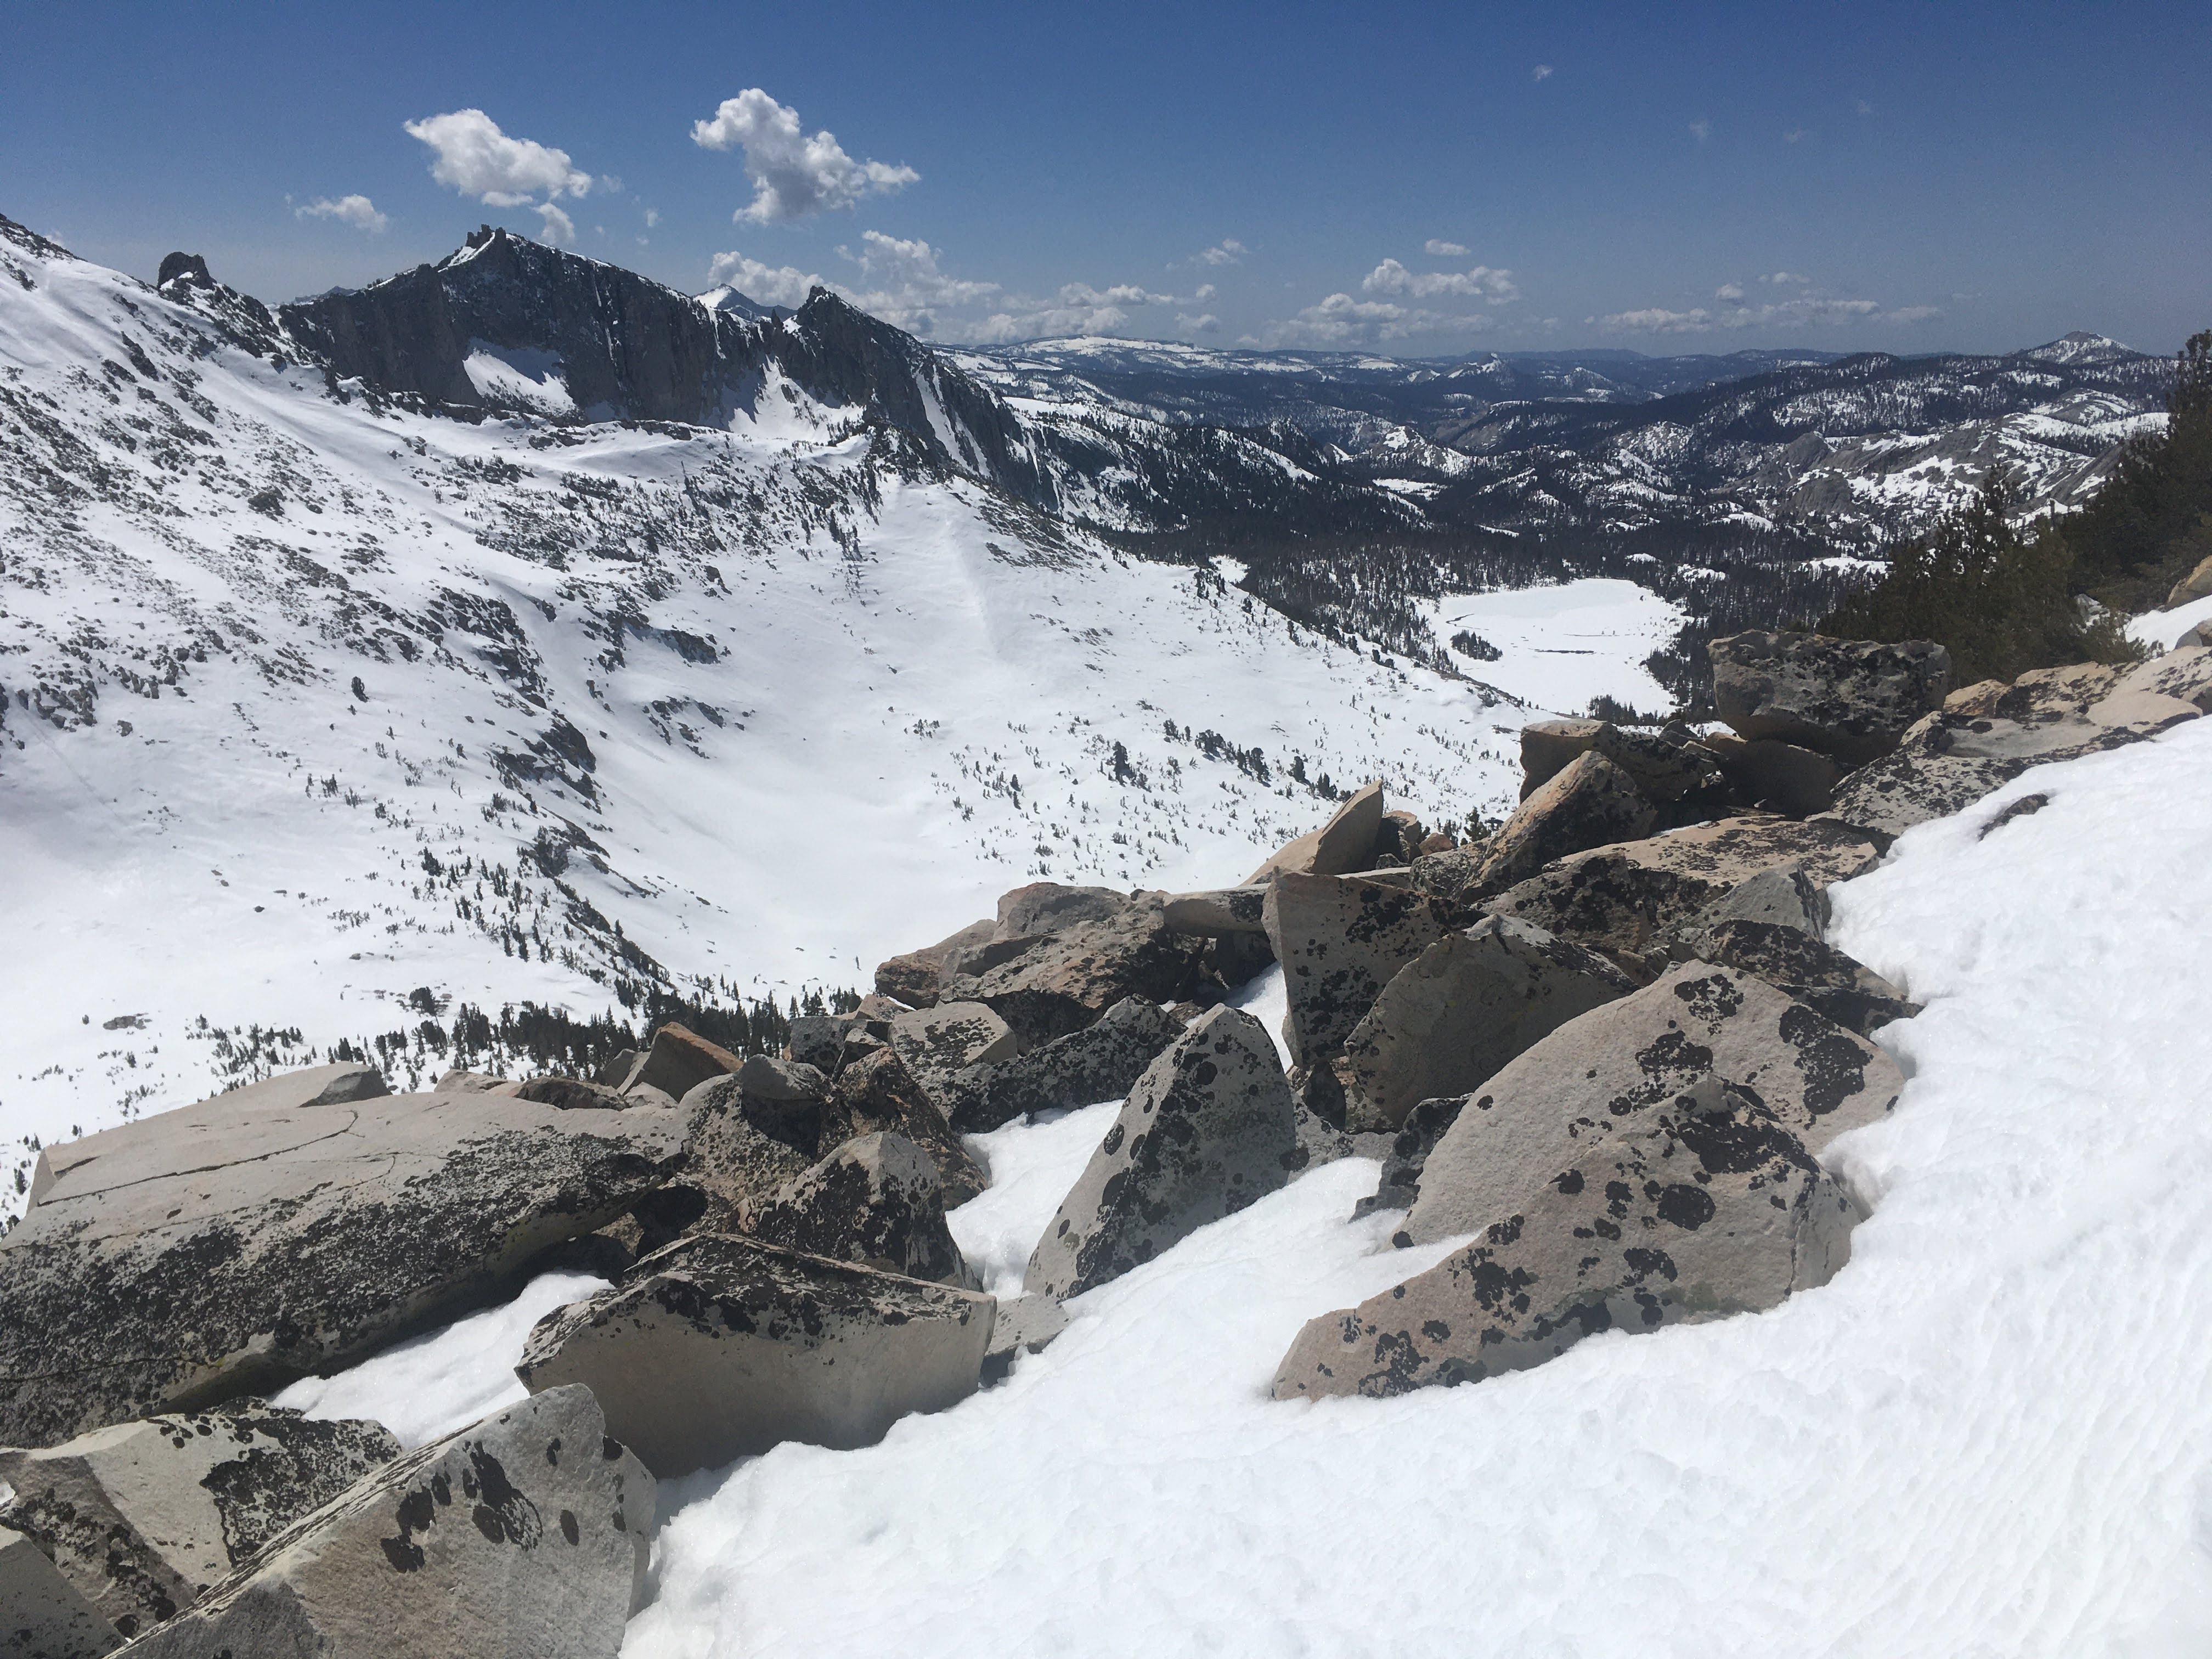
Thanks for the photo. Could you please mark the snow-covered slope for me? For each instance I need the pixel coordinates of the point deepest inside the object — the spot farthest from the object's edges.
(315, 701)
(1982, 1437)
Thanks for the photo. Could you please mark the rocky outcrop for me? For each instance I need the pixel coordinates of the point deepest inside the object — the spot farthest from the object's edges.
(1344, 844)
(1664, 765)
(1775, 777)
(1216, 913)
(566, 1093)
(1626, 900)
(1099, 1062)
(1704, 1208)
(717, 1347)
(739, 1149)
(1852, 699)
(226, 1248)
(1818, 975)
(42, 1616)
(1070, 978)
(1783, 895)
(1589, 803)
(878, 1093)
(1025, 1324)
(1341, 940)
(915, 978)
(1948, 762)
(1417, 1137)
(933, 1044)
(1458, 1012)
(144, 1518)
(678, 1061)
(1052, 907)
(1596, 1077)
(1208, 1130)
(525, 1534)
(877, 1200)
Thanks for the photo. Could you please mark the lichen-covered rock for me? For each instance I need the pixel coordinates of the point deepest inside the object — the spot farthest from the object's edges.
(1849, 698)
(1707, 1207)
(1025, 1324)
(1776, 776)
(934, 1042)
(569, 1093)
(1626, 900)
(1051, 907)
(1400, 1183)
(1817, 974)
(1589, 803)
(42, 1616)
(1101, 1061)
(1948, 762)
(1074, 976)
(523, 1536)
(678, 1061)
(2184, 673)
(877, 1200)
(1208, 1130)
(1216, 913)
(878, 1093)
(1341, 940)
(225, 1249)
(1456, 1013)
(1664, 764)
(720, 1346)
(1344, 844)
(1597, 1076)
(1784, 895)
(144, 1518)
(738, 1148)
(915, 978)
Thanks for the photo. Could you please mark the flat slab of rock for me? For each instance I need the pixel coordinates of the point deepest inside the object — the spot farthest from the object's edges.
(1852, 699)
(1817, 974)
(1208, 1130)
(42, 1616)
(1663, 765)
(1597, 1076)
(1102, 1061)
(523, 1537)
(1052, 907)
(1458, 1012)
(878, 1092)
(1341, 940)
(1216, 913)
(567, 1093)
(1627, 899)
(936, 1042)
(1948, 762)
(1589, 803)
(1070, 978)
(877, 1200)
(2184, 673)
(144, 1518)
(229, 1248)
(678, 1061)
(1344, 843)
(1784, 895)
(720, 1346)
(1707, 1207)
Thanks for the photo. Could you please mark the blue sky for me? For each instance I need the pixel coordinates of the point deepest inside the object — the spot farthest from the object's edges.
(1420, 179)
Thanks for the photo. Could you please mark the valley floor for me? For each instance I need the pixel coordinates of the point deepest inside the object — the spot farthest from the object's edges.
(1982, 1437)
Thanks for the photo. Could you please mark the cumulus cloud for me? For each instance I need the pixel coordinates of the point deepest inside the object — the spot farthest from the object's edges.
(1437, 248)
(1729, 291)
(1701, 129)
(1227, 252)
(1204, 292)
(651, 217)
(1343, 323)
(1541, 72)
(1206, 324)
(558, 227)
(1788, 279)
(474, 157)
(355, 211)
(794, 175)
(1494, 287)
(765, 284)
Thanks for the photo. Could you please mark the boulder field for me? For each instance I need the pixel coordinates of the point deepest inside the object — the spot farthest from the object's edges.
(1600, 1053)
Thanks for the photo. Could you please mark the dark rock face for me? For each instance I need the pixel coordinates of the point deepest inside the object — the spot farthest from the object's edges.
(1852, 699)
(1417, 1137)
(566, 1093)
(738, 1150)
(190, 267)
(1706, 1207)
(1070, 978)
(719, 1346)
(877, 1200)
(1209, 1129)
(1051, 907)
(1625, 899)
(42, 1616)
(878, 1093)
(1775, 776)
(1601, 1076)
(1099, 1062)
(222, 1249)
(527, 1534)
(143, 1519)
(1664, 764)
(627, 349)
(1454, 1015)
(1818, 975)
(917, 977)
(1590, 802)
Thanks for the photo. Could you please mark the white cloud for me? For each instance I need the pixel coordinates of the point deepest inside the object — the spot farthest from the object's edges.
(1729, 291)
(1207, 324)
(1227, 252)
(1788, 278)
(764, 284)
(355, 211)
(793, 175)
(1654, 319)
(1437, 248)
(651, 217)
(1541, 72)
(1205, 291)
(1795, 134)
(1701, 129)
(559, 227)
(1806, 311)
(1494, 287)
(477, 159)
(1342, 322)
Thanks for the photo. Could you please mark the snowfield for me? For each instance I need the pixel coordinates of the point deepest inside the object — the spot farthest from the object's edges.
(1983, 1438)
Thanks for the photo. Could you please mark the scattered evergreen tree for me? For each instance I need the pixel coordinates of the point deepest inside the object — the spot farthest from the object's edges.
(2151, 523)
